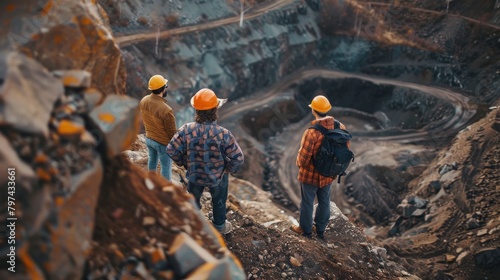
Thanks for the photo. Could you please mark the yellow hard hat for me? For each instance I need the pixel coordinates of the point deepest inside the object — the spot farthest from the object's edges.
(205, 99)
(156, 82)
(320, 104)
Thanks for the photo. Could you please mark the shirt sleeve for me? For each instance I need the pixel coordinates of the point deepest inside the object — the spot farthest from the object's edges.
(176, 149)
(233, 155)
(342, 126)
(169, 124)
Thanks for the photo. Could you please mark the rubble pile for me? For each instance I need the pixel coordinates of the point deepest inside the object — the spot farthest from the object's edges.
(59, 167)
(149, 228)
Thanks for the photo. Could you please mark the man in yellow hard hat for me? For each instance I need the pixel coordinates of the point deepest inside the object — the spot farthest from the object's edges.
(159, 122)
(208, 152)
(312, 183)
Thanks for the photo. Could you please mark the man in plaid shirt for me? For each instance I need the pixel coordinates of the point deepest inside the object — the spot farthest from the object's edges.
(208, 152)
(313, 184)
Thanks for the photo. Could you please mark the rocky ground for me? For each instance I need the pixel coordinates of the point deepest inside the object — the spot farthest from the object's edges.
(268, 249)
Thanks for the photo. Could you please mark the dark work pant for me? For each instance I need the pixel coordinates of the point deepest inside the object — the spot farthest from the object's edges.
(219, 198)
(309, 192)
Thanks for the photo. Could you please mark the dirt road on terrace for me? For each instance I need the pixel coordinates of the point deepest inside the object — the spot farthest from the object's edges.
(255, 12)
(464, 110)
(427, 11)
(261, 9)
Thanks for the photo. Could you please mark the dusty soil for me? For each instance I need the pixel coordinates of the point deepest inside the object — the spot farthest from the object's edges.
(266, 253)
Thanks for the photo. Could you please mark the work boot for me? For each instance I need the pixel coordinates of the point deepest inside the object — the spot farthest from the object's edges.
(227, 228)
(297, 229)
(321, 234)
(300, 231)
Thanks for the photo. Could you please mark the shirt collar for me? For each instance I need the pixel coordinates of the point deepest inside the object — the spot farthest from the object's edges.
(158, 97)
(321, 119)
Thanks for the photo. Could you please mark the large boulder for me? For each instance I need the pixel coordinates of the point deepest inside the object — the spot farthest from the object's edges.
(27, 95)
(117, 120)
(64, 35)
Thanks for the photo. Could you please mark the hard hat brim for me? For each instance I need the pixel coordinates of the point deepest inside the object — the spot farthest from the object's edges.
(220, 102)
(320, 111)
(165, 81)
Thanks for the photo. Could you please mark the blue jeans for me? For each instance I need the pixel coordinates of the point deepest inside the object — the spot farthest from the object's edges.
(159, 151)
(322, 216)
(219, 198)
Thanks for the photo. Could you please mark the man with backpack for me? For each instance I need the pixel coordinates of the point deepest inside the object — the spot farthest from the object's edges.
(208, 152)
(312, 182)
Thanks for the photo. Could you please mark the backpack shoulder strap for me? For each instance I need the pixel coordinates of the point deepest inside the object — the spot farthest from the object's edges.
(320, 128)
(336, 124)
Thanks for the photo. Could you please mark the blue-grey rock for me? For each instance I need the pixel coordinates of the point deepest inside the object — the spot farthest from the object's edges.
(417, 201)
(74, 78)
(418, 212)
(225, 268)
(186, 255)
(472, 224)
(27, 95)
(488, 258)
(117, 119)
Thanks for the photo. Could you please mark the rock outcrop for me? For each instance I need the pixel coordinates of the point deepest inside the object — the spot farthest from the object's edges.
(58, 170)
(62, 124)
(64, 34)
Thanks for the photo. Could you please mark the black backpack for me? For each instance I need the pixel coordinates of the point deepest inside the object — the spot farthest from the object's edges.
(333, 156)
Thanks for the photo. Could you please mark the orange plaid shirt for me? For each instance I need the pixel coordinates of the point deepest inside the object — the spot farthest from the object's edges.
(309, 145)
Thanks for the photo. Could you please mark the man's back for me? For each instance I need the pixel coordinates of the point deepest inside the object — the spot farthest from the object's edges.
(206, 151)
(310, 143)
(158, 118)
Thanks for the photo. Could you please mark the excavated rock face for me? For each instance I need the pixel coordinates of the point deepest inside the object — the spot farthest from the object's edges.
(46, 132)
(64, 34)
(53, 149)
(57, 170)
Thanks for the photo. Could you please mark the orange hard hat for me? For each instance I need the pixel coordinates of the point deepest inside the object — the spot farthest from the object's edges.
(205, 99)
(156, 82)
(320, 104)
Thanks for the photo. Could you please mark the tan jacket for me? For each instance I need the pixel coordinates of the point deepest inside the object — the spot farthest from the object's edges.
(158, 118)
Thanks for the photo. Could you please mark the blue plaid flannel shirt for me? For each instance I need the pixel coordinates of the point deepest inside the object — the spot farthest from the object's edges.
(206, 150)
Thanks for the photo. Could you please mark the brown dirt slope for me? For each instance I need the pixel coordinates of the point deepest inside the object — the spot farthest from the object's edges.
(138, 220)
(268, 254)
